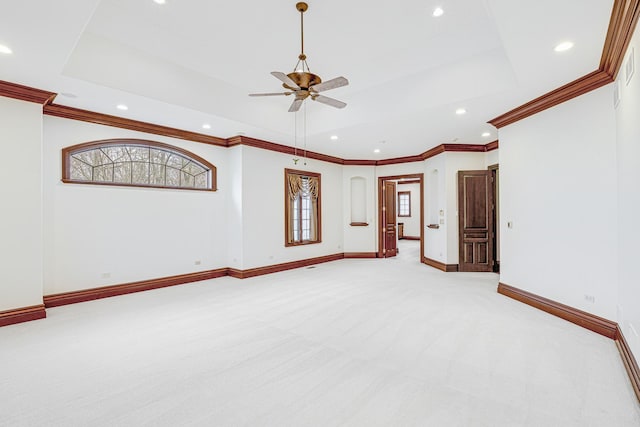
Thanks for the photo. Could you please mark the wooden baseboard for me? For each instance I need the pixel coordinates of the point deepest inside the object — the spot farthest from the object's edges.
(128, 288)
(259, 271)
(630, 362)
(582, 318)
(447, 268)
(25, 314)
(360, 254)
(405, 237)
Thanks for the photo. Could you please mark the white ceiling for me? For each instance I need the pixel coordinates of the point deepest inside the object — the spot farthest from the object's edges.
(190, 62)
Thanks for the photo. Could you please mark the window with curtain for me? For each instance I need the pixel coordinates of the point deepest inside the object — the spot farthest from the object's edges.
(404, 203)
(136, 163)
(302, 207)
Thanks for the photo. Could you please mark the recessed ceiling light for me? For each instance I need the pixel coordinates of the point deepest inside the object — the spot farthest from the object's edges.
(206, 126)
(563, 46)
(122, 107)
(438, 12)
(377, 150)
(334, 137)
(160, 1)
(5, 49)
(486, 134)
(461, 111)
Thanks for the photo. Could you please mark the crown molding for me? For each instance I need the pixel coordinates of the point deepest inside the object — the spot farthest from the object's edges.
(73, 113)
(623, 21)
(272, 146)
(564, 93)
(63, 111)
(26, 93)
(624, 18)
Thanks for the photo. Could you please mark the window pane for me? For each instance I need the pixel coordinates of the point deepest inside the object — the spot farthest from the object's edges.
(159, 156)
(140, 173)
(138, 153)
(103, 173)
(116, 153)
(201, 180)
(173, 177)
(186, 180)
(157, 175)
(122, 173)
(81, 171)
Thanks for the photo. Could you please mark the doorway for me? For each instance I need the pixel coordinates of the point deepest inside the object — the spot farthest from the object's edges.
(387, 213)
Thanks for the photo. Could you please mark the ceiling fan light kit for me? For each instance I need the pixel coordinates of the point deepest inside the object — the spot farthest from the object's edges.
(301, 82)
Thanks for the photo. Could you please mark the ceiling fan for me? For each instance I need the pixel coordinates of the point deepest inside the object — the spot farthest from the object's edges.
(302, 82)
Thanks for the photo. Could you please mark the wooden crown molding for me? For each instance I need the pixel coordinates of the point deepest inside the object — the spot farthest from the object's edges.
(581, 318)
(624, 18)
(271, 146)
(623, 21)
(25, 93)
(124, 123)
(19, 315)
(569, 91)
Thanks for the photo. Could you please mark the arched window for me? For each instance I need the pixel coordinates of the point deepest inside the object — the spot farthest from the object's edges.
(138, 163)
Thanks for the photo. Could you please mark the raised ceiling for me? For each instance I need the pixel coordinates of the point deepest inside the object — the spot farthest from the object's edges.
(186, 63)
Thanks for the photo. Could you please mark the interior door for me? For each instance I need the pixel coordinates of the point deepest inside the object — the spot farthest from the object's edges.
(475, 216)
(389, 213)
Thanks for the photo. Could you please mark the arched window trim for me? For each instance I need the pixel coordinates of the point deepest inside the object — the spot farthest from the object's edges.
(87, 146)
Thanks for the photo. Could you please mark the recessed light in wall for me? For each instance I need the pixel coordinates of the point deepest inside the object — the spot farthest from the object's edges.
(334, 137)
(438, 12)
(461, 111)
(377, 150)
(206, 126)
(486, 134)
(122, 107)
(5, 49)
(564, 46)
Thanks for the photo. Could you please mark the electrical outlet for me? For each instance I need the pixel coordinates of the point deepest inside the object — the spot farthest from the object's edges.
(197, 262)
(590, 298)
(106, 275)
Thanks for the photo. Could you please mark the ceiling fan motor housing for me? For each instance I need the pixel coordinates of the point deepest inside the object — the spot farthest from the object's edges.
(303, 79)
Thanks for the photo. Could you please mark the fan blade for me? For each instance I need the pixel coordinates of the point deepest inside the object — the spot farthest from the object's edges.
(329, 101)
(271, 94)
(295, 105)
(330, 84)
(285, 79)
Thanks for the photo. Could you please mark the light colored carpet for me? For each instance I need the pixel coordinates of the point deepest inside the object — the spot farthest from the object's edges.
(352, 342)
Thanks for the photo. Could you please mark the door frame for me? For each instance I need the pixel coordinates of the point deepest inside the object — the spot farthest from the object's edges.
(380, 234)
(495, 171)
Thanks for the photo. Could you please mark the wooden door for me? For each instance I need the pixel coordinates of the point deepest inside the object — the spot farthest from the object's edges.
(475, 216)
(389, 219)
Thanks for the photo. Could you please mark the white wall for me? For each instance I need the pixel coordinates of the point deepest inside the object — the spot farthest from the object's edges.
(235, 211)
(360, 239)
(21, 264)
(628, 156)
(102, 235)
(412, 222)
(263, 209)
(435, 200)
(457, 162)
(557, 187)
